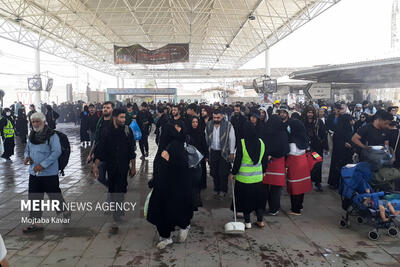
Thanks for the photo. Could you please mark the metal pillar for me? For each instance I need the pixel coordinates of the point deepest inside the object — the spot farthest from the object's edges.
(122, 86)
(77, 80)
(36, 94)
(267, 63)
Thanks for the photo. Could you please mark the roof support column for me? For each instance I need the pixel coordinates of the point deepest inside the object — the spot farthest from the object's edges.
(36, 94)
(123, 87)
(267, 63)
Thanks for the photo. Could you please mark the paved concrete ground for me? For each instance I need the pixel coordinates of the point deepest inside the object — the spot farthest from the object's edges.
(313, 239)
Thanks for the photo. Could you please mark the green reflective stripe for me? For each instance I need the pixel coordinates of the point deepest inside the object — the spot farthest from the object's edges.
(250, 173)
(8, 130)
(251, 165)
(249, 180)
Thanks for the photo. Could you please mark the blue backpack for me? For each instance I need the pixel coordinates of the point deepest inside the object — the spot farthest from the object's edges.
(136, 130)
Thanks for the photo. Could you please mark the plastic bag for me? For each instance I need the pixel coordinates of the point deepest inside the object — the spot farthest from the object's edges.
(194, 156)
(136, 130)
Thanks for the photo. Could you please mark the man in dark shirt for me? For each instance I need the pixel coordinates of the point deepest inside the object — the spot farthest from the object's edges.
(144, 120)
(374, 134)
(177, 118)
(104, 122)
(31, 111)
(116, 149)
(190, 113)
(93, 118)
(238, 121)
(162, 113)
(130, 114)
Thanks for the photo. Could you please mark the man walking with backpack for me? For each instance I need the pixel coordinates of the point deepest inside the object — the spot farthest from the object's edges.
(116, 150)
(42, 153)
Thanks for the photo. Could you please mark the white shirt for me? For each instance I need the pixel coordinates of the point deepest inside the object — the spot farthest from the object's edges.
(215, 143)
(3, 250)
(295, 151)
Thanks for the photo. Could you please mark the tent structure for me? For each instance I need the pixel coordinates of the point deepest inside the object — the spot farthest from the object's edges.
(222, 34)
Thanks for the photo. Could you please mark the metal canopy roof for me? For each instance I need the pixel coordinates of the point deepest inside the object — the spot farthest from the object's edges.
(368, 74)
(223, 34)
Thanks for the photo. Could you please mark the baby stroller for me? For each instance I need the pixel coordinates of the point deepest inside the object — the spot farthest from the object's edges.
(353, 187)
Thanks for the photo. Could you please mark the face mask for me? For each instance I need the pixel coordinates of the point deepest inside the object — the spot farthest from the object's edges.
(217, 122)
(8, 113)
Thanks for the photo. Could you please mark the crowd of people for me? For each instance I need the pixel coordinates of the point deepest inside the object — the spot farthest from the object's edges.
(262, 148)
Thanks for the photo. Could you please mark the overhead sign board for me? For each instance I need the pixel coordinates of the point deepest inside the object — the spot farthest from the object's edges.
(49, 84)
(137, 54)
(141, 91)
(319, 90)
(35, 84)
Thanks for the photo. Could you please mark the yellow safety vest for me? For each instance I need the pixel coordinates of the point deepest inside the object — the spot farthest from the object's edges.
(8, 130)
(250, 173)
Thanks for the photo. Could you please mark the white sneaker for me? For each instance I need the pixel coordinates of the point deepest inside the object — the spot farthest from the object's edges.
(247, 225)
(183, 234)
(164, 242)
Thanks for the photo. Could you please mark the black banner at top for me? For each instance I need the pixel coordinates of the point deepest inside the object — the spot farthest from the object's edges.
(137, 54)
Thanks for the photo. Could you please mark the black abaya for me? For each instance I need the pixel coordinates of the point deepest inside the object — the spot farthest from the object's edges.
(340, 154)
(171, 203)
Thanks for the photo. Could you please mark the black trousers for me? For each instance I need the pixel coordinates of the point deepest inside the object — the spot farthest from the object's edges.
(144, 144)
(117, 186)
(259, 214)
(274, 197)
(316, 173)
(219, 170)
(203, 181)
(38, 185)
(9, 145)
(297, 202)
(22, 136)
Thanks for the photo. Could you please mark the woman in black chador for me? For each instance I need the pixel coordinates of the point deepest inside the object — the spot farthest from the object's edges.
(196, 137)
(84, 130)
(22, 124)
(171, 202)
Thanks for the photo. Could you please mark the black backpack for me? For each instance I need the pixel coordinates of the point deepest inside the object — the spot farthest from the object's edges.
(65, 151)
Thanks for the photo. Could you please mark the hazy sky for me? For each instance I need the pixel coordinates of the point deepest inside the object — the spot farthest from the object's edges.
(352, 30)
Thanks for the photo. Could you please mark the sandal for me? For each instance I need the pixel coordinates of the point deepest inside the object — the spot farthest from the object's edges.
(260, 224)
(32, 229)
